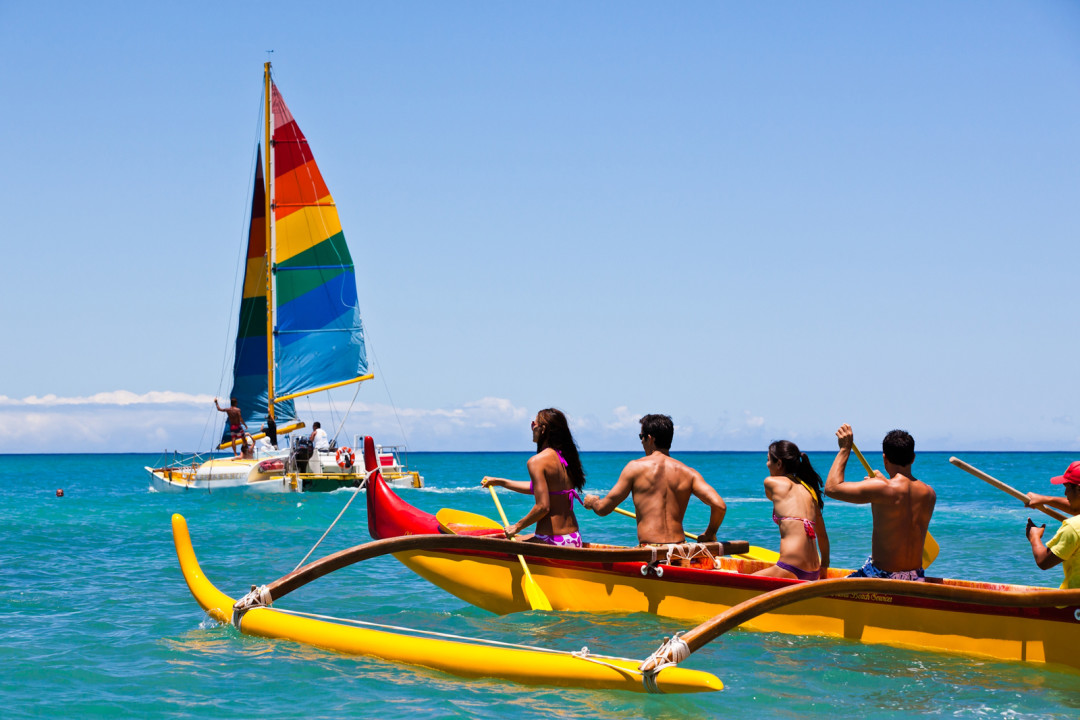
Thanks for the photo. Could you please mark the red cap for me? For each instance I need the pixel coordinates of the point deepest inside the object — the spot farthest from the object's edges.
(1072, 475)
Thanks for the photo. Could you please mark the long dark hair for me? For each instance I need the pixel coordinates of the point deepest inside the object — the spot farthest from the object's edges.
(797, 464)
(555, 434)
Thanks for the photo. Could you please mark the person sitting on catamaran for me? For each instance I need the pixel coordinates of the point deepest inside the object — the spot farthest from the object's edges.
(661, 486)
(248, 452)
(795, 490)
(1064, 547)
(237, 426)
(556, 481)
(901, 506)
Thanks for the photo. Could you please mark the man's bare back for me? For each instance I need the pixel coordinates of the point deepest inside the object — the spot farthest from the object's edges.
(661, 486)
(901, 518)
(901, 504)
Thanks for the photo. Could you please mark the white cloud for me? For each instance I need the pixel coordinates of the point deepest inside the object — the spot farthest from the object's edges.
(754, 421)
(117, 397)
(122, 421)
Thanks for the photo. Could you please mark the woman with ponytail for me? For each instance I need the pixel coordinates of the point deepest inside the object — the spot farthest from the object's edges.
(556, 481)
(796, 492)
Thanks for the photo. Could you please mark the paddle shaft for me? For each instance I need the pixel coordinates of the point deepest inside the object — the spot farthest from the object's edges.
(1004, 488)
(533, 593)
(866, 465)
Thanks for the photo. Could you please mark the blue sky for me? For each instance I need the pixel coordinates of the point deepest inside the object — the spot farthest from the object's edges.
(764, 219)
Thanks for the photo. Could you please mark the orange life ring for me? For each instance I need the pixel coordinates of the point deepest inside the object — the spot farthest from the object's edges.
(344, 457)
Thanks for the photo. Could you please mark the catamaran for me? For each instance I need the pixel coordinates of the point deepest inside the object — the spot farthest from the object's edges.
(299, 329)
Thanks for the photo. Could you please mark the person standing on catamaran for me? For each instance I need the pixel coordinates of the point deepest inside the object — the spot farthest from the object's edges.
(556, 481)
(661, 486)
(237, 426)
(1064, 547)
(901, 504)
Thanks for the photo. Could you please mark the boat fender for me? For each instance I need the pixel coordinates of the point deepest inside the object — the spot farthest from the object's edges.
(344, 457)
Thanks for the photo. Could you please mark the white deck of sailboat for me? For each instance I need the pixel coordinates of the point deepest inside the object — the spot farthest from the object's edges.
(238, 473)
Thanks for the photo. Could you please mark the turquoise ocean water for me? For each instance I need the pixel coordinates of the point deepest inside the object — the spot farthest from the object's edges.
(96, 620)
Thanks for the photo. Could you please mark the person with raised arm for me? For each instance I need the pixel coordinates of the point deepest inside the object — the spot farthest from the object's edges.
(796, 493)
(237, 426)
(661, 486)
(901, 505)
(556, 481)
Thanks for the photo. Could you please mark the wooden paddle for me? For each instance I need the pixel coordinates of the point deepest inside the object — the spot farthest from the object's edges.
(845, 587)
(756, 553)
(1005, 488)
(457, 522)
(930, 548)
(536, 597)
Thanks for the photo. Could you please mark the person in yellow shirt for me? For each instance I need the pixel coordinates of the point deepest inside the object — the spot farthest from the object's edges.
(1064, 547)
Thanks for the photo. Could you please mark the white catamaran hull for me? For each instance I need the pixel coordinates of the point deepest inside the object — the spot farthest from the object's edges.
(258, 476)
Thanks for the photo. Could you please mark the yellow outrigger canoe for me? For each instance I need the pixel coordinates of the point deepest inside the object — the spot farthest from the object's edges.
(464, 659)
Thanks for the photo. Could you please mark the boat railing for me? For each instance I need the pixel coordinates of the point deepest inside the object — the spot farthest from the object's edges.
(399, 453)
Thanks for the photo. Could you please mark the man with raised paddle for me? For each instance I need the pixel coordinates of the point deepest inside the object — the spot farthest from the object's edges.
(1064, 547)
(662, 487)
(901, 505)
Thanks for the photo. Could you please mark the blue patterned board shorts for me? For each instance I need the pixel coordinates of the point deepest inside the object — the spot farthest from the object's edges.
(870, 570)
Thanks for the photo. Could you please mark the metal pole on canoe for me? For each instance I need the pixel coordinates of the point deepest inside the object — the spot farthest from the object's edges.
(930, 547)
(1005, 488)
(536, 597)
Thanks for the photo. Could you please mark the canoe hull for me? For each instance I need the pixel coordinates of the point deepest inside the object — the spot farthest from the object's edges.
(493, 582)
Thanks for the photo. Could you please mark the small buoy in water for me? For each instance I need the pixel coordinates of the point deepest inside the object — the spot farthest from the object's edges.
(59, 493)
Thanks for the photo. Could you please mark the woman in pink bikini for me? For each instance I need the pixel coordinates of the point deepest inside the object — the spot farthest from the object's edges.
(795, 490)
(556, 481)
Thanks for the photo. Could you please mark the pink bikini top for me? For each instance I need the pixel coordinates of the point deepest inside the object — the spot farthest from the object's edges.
(571, 493)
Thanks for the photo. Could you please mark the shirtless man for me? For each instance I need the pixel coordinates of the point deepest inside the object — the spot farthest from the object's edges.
(237, 426)
(662, 487)
(901, 505)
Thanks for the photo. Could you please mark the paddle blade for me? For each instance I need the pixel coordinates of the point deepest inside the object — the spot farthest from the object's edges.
(930, 551)
(459, 522)
(536, 597)
(760, 553)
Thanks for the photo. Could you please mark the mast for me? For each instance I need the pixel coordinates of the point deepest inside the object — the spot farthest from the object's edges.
(269, 248)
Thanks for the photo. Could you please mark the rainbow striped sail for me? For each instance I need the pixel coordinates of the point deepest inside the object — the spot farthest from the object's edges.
(317, 332)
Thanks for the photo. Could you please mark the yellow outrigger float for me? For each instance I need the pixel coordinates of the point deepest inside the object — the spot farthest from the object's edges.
(531, 666)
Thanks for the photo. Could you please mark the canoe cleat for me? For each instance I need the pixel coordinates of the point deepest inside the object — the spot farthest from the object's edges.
(653, 567)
